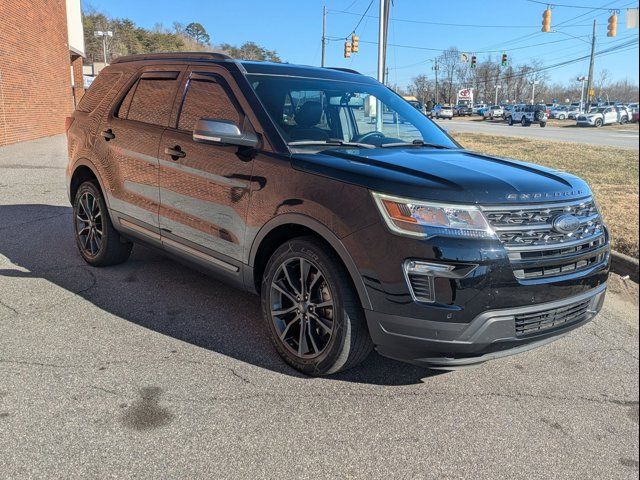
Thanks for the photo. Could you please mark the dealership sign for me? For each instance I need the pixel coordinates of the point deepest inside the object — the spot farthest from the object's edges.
(465, 95)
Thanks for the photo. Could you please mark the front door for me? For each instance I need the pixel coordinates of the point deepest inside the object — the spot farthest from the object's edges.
(130, 138)
(204, 188)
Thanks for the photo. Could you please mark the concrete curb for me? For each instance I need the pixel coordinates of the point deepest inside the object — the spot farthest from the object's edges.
(624, 265)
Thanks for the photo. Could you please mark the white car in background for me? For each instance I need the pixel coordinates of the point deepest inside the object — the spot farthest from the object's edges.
(442, 111)
(477, 107)
(494, 111)
(599, 116)
(560, 113)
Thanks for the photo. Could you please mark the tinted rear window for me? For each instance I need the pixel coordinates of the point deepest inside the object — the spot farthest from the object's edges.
(98, 90)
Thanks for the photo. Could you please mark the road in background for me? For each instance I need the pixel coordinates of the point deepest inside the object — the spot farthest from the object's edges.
(152, 370)
(606, 136)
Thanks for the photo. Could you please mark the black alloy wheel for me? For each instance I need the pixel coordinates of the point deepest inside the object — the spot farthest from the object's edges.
(302, 308)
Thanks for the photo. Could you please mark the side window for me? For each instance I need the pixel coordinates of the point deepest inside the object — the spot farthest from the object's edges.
(206, 99)
(123, 109)
(150, 100)
(98, 90)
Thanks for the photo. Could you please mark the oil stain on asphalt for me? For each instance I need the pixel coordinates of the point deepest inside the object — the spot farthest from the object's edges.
(146, 413)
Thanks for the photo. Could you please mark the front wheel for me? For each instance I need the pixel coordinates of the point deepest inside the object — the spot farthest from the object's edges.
(543, 124)
(312, 310)
(510, 120)
(598, 122)
(98, 242)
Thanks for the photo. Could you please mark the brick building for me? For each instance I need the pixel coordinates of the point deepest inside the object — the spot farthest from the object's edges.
(41, 51)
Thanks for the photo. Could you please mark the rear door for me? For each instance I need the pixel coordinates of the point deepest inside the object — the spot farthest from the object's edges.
(205, 189)
(129, 140)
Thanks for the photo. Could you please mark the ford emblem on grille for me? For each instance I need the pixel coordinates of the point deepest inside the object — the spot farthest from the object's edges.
(566, 224)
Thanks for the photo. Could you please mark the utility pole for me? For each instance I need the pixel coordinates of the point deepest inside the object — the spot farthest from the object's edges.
(382, 52)
(497, 88)
(593, 51)
(435, 69)
(324, 34)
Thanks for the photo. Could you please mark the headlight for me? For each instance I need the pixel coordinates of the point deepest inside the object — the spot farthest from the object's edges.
(427, 219)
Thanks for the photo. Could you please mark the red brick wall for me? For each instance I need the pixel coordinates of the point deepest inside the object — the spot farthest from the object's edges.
(78, 82)
(35, 72)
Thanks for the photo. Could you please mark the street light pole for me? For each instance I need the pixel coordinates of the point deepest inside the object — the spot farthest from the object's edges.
(382, 50)
(497, 88)
(104, 35)
(533, 90)
(582, 79)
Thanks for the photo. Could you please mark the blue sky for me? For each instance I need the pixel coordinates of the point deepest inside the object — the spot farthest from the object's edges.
(293, 28)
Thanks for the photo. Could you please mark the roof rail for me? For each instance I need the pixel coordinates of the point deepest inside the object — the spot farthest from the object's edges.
(341, 69)
(172, 56)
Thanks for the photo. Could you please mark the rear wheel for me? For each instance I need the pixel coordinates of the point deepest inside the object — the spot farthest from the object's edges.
(311, 308)
(623, 120)
(98, 242)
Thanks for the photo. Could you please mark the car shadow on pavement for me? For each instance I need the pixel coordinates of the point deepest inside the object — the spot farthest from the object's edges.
(160, 294)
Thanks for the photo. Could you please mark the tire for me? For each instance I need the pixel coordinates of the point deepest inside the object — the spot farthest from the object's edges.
(623, 120)
(598, 122)
(325, 352)
(524, 122)
(543, 124)
(510, 120)
(101, 245)
(561, 117)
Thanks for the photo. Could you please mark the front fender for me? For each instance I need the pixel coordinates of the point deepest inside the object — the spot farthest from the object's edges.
(322, 231)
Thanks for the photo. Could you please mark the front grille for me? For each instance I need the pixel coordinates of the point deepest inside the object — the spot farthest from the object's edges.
(537, 250)
(532, 323)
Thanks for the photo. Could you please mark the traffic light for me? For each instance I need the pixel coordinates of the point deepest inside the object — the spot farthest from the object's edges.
(347, 49)
(473, 61)
(355, 43)
(612, 28)
(546, 20)
(504, 59)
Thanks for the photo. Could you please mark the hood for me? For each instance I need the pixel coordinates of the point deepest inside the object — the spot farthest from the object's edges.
(457, 176)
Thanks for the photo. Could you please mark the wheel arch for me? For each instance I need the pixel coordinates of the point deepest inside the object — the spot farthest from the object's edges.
(82, 171)
(292, 225)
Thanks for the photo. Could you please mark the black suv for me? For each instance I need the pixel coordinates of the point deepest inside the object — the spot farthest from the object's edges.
(357, 230)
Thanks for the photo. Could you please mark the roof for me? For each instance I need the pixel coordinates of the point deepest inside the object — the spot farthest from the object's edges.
(252, 67)
(172, 56)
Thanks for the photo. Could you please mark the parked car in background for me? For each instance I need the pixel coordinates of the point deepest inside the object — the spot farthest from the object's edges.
(494, 111)
(462, 111)
(599, 116)
(442, 111)
(477, 107)
(562, 112)
(528, 114)
(418, 106)
(353, 237)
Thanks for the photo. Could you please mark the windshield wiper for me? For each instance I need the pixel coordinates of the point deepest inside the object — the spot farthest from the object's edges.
(331, 143)
(415, 143)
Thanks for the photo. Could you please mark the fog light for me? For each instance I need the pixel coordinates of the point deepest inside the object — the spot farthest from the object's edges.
(420, 277)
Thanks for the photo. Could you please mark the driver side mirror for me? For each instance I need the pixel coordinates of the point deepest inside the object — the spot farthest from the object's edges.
(223, 132)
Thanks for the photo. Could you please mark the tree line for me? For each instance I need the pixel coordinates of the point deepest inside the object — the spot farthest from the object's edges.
(514, 83)
(129, 38)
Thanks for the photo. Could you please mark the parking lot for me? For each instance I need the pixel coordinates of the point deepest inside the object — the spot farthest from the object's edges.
(152, 370)
(564, 131)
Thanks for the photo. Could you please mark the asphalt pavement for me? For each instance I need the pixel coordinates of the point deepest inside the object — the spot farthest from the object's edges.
(152, 370)
(609, 135)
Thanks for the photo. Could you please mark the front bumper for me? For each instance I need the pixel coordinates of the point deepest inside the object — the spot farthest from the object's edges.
(490, 335)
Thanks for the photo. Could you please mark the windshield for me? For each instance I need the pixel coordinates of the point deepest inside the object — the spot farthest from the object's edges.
(597, 110)
(313, 111)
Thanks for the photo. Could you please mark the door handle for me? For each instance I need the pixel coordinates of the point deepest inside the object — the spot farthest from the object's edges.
(175, 153)
(108, 134)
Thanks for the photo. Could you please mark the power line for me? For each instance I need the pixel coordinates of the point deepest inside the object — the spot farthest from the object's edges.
(360, 21)
(564, 5)
(444, 24)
